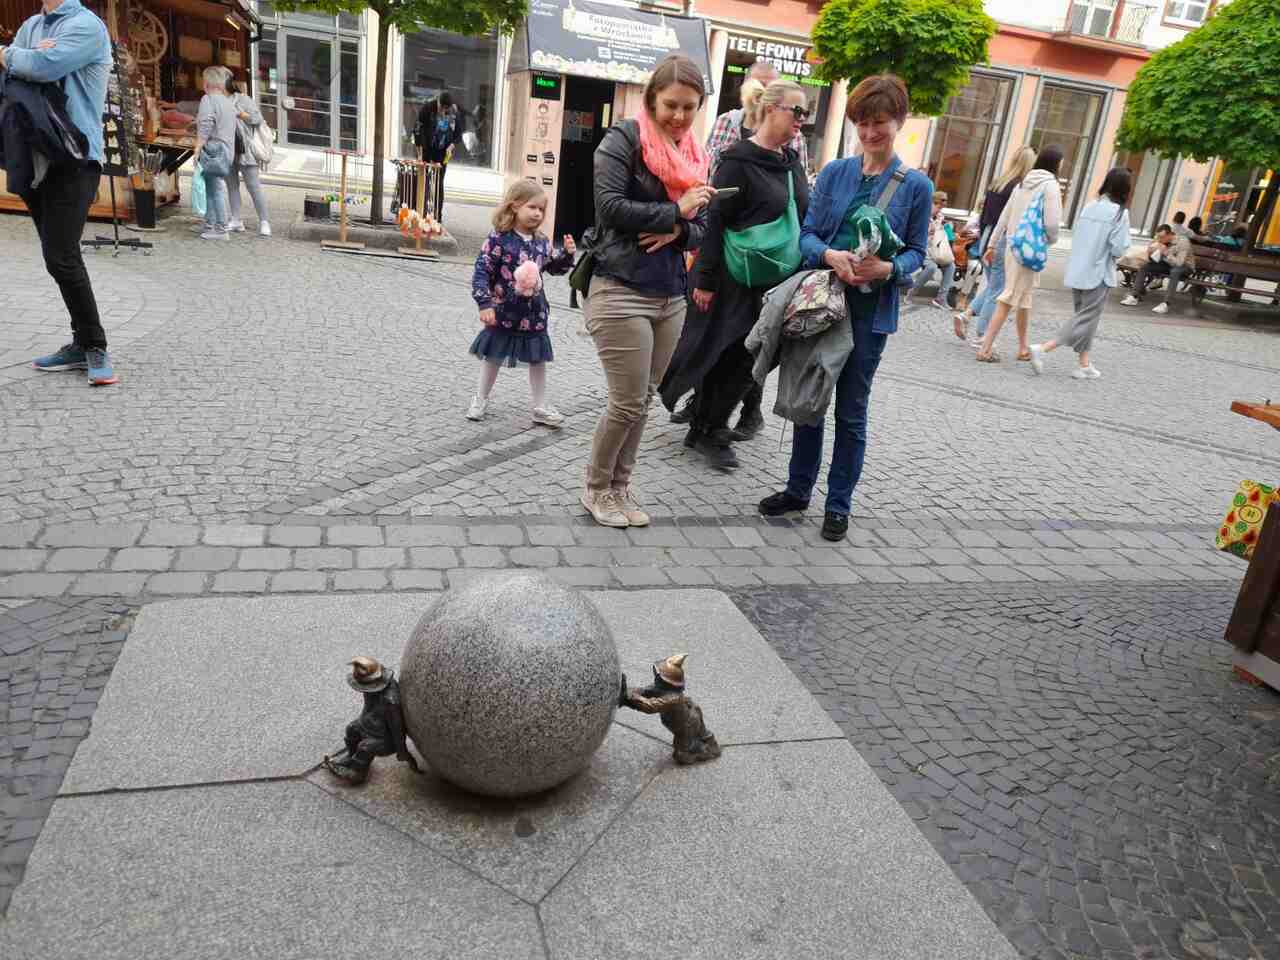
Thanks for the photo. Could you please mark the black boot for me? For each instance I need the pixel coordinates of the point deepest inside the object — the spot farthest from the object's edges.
(714, 445)
(347, 770)
(750, 423)
(776, 504)
(691, 438)
(684, 413)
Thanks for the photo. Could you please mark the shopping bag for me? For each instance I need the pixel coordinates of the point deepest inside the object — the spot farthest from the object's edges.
(199, 200)
(1242, 525)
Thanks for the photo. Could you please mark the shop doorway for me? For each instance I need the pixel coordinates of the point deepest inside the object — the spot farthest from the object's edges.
(588, 109)
(309, 88)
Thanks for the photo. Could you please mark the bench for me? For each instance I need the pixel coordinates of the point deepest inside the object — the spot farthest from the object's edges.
(1216, 268)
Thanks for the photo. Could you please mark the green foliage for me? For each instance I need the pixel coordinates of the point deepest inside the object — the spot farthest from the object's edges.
(470, 17)
(1215, 93)
(930, 44)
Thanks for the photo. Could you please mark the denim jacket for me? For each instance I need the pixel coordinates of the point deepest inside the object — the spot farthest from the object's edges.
(79, 62)
(909, 213)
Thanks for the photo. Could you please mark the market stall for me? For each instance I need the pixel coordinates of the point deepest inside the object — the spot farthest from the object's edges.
(161, 49)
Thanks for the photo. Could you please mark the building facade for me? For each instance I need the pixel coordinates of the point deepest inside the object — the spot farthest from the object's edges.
(1058, 74)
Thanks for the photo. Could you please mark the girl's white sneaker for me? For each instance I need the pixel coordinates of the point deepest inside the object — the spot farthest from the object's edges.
(1037, 358)
(547, 417)
(1086, 373)
(478, 406)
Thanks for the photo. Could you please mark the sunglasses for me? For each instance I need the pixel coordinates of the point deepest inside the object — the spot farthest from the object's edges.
(800, 113)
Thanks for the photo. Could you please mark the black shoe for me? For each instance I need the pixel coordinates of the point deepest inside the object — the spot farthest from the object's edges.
(834, 526)
(691, 438)
(750, 424)
(684, 413)
(776, 504)
(715, 447)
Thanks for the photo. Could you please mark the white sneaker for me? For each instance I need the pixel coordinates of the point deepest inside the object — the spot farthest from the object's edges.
(976, 343)
(1086, 373)
(478, 406)
(1130, 301)
(548, 417)
(1160, 308)
(1037, 358)
(235, 226)
(215, 235)
(264, 229)
(604, 508)
(631, 508)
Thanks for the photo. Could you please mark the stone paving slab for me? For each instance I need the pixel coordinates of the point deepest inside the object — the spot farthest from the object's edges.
(781, 850)
(524, 846)
(278, 870)
(217, 690)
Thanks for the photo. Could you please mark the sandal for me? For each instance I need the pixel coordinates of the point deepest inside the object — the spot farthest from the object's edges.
(1025, 355)
(961, 324)
(992, 357)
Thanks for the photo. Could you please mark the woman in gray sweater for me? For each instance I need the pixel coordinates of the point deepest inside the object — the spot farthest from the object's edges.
(248, 119)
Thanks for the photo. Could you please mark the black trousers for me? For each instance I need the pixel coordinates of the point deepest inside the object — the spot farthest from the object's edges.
(724, 387)
(438, 199)
(59, 207)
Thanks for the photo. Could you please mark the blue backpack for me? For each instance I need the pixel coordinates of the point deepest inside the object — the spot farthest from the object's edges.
(1030, 242)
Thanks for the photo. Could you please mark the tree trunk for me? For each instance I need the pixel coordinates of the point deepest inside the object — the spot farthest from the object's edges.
(1266, 207)
(379, 119)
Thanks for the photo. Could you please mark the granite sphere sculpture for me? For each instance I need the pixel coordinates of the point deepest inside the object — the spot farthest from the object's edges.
(509, 684)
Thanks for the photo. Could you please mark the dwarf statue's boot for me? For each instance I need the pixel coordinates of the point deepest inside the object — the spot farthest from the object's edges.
(350, 770)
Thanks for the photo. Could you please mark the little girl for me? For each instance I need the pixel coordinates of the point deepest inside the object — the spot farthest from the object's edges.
(507, 286)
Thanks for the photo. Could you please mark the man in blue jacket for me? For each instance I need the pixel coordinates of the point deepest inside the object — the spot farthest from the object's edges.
(68, 45)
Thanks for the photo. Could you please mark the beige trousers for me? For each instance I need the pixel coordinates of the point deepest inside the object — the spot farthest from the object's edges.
(635, 336)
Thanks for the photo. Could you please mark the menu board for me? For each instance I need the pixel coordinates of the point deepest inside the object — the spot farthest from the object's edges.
(116, 119)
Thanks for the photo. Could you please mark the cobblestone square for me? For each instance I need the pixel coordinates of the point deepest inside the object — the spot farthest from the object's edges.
(1022, 633)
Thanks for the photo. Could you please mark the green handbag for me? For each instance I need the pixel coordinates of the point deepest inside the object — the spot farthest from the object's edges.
(768, 253)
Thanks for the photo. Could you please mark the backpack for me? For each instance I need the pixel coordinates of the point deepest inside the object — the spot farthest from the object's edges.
(262, 143)
(1030, 242)
(442, 136)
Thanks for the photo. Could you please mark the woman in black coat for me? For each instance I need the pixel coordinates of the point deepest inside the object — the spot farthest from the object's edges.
(711, 354)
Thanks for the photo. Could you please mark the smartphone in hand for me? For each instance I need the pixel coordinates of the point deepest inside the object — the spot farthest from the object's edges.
(724, 192)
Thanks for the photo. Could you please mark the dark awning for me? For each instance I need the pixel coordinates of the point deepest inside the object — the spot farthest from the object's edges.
(588, 38)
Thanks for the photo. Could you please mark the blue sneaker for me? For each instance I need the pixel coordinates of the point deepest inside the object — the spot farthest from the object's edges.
(68, 357)
(99, 364)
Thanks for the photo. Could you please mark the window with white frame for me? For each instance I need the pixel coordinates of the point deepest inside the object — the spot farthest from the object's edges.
(1092, 17)
(1189, 13)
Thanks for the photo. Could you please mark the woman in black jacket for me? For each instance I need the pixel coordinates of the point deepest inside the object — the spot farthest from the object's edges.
(650, 193)
(767, 174)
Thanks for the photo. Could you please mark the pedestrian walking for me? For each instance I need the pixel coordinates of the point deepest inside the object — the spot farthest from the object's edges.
(878, 106)
(651, 194)
(246, 167)
(215, 149)
(507, 287)
(65, 45)
(983, 306)
(1100, 237)
(1041, 188)
(752, 243)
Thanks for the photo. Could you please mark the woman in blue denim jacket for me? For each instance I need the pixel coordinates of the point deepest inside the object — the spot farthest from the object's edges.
(878, 106)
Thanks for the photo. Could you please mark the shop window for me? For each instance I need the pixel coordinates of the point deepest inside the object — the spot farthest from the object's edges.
(436, 61)
(1152, 185)
(1068, 118)
(967, 139)
(1187, 13)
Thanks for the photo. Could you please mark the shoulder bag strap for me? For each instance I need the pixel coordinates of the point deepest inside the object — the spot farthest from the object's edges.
(898, 177)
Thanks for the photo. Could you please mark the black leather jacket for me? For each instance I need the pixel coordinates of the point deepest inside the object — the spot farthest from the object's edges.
(630, 201)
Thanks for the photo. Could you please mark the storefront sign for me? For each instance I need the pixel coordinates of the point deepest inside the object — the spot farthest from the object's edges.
(589, 39)
(792, 59)
(546, 86)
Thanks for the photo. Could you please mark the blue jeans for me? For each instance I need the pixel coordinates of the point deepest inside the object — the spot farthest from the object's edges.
(215, 214)
(926, 274)
(984, 305)
(853, 392)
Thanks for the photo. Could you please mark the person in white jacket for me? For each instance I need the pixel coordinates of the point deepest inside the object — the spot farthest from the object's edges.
(1101, 237)
(1020, 281)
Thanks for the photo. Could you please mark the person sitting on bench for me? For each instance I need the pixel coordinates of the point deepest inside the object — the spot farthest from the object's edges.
(1168, 256)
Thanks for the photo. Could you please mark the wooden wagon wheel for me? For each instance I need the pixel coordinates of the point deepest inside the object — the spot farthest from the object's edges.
(148, 38)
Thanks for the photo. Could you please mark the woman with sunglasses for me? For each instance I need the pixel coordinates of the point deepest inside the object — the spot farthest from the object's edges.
(769, 181)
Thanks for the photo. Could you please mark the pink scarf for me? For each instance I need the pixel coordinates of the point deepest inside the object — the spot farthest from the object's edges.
(679, 167)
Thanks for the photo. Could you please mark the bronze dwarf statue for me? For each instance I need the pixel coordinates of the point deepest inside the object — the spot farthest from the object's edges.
(692, 742)
(379, 730)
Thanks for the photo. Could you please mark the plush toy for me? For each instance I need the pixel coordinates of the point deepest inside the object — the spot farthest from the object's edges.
(528, 279)
(414, 224)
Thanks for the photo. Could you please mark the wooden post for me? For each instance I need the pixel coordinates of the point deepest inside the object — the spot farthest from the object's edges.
(342, 243)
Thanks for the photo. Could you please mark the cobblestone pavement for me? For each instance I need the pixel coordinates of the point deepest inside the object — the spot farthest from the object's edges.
(55, 658)
(1082, 756)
